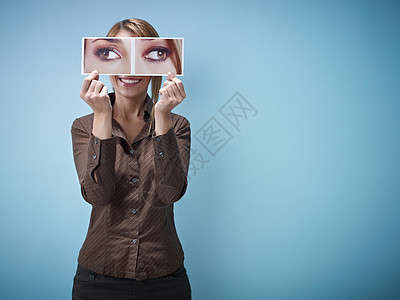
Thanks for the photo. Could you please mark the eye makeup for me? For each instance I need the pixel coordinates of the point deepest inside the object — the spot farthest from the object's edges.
(107, 54)
(157, 54)
(132, 56)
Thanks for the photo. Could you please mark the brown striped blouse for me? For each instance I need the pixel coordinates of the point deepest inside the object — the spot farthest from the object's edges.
(132, 232)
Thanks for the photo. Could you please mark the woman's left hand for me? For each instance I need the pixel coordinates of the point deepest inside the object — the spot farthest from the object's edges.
(172, 93)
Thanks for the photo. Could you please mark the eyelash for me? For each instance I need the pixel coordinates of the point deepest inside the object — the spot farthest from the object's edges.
(158, 49)
(100, 51)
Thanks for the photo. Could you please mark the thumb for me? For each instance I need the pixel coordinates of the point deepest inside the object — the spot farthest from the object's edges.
(170, 76)
(95, 75)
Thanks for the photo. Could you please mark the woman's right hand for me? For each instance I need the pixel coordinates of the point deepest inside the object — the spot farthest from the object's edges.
(95, 94)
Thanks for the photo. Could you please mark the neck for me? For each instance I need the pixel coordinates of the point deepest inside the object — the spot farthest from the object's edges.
(129, 108)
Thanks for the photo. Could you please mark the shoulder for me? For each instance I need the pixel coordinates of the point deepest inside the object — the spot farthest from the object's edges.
(84, 122)
(179, 121)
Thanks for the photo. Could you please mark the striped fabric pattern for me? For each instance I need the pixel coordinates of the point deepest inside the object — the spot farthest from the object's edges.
(132, 232)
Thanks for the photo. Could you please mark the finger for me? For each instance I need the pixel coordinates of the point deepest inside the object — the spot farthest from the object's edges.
(104, 90)
(96, 75)
(162, 93)
(180, 87)
(98, 87)
(176, 80)
(87, 81)
(170, 76)
(92, 86)
(167, 82)
(171, 92)
(176, 92)
(165, 93)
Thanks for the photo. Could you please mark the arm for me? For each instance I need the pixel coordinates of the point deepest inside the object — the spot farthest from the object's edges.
(171, 143)
(171, 160)
(94, 152)
(94, 161)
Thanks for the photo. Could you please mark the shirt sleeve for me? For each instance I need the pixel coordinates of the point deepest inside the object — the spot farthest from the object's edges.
(171, 160)
(92, 155)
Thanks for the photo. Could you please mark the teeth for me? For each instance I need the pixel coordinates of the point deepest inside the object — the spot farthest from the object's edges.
(129, 81)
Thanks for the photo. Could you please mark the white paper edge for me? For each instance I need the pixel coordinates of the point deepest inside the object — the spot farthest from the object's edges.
(133, 52)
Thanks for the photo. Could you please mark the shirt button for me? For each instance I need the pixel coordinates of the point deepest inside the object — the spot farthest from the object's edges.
(158, 139)
(94, 156)
(134, 211)
(131, 151)
(96, 141)
(134, 241)
(161, 153)
(134, 180)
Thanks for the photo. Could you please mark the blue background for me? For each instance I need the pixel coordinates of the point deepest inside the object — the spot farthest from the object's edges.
(302, 203)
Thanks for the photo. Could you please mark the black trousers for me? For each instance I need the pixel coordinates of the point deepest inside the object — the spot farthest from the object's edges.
(89, 285)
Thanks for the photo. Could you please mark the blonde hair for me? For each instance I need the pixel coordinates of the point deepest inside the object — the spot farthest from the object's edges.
(176, 44)
(142, 29)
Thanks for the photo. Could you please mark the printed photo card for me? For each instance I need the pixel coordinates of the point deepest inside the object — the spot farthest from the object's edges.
(146, 56)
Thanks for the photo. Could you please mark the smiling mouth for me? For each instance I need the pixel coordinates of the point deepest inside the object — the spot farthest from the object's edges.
(130, 81)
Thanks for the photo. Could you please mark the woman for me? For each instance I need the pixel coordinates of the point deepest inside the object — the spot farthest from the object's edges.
(132, 157)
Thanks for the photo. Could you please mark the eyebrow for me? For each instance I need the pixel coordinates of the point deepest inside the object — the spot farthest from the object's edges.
(108, 40)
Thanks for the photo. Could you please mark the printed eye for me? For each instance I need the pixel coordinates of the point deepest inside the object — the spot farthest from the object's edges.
(107, 54)
(158, 54)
